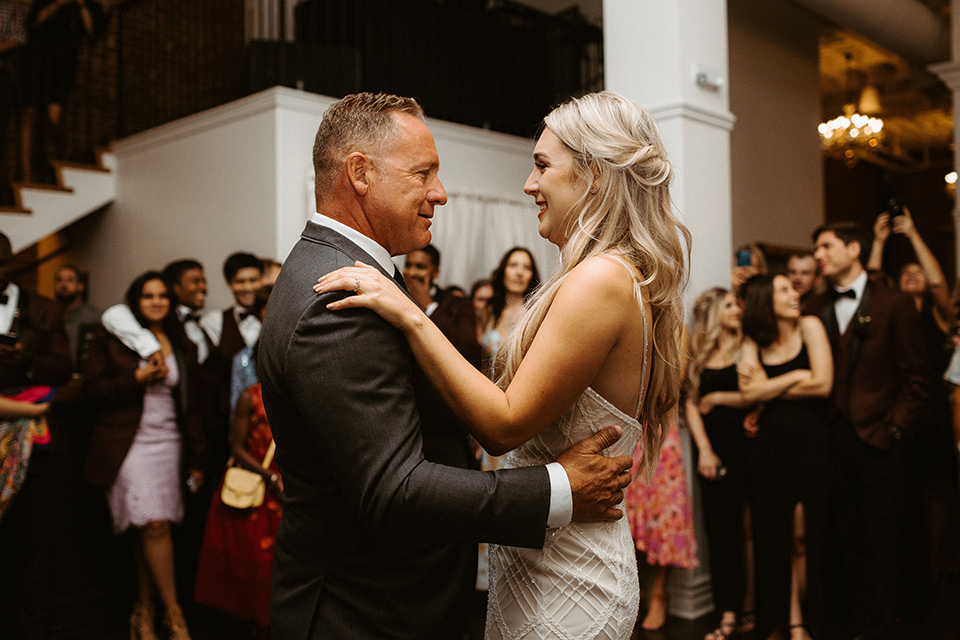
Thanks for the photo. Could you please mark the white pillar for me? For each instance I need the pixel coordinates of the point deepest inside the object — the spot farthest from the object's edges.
(653, 53)
(949, 72)
(671, 57)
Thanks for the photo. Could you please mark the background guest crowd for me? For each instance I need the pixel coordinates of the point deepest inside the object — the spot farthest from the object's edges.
(818, 401)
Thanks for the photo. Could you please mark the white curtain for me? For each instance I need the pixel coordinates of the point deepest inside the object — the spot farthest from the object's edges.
(473, 232)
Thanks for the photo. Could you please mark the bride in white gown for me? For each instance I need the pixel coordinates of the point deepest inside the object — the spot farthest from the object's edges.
(596, 346)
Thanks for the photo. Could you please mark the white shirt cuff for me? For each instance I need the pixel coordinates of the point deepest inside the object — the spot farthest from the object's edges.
(120, 321)
(561, 497)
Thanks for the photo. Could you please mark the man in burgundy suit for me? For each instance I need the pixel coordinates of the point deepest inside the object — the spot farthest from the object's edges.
(881, 382)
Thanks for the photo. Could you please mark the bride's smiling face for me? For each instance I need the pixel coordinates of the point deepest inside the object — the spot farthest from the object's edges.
(555, 185)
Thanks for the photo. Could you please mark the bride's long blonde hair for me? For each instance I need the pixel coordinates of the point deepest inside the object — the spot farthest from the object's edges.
(616, 145)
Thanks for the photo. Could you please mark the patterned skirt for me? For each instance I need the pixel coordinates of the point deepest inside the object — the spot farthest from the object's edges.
(659, 510)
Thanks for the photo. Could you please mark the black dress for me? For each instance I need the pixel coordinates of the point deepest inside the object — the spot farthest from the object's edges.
(724, 498)
(789, 464)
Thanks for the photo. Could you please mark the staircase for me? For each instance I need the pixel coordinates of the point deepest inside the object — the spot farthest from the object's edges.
(43, 209)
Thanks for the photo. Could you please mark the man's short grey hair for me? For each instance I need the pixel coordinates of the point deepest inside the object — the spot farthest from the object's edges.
(359, 122)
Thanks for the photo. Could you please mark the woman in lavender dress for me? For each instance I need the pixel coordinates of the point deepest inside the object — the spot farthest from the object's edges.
(145, 423)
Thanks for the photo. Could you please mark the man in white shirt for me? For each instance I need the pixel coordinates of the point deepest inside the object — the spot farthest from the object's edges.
(235, 327)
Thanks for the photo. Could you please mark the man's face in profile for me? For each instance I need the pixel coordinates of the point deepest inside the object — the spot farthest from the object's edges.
(404, 188)
(191, 291)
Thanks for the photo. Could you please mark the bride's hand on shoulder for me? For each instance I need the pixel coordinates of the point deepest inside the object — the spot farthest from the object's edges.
(372, 290)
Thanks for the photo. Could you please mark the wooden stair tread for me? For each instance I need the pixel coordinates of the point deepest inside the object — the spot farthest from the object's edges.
(80, 165)
(41, 186)
(15, 210)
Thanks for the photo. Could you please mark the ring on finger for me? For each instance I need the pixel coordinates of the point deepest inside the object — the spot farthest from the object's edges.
(356, 288)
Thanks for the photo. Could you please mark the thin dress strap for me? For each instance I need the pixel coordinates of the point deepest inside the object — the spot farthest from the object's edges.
(646, 342)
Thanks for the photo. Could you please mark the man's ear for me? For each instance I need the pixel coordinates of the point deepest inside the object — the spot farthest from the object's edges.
(859, 249)
(356, 167)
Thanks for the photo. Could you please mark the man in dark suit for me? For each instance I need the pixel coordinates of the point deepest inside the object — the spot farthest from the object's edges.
(376, 538)
(881, 381)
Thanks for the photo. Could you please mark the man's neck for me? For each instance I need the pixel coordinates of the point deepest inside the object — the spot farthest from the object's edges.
(846, 278)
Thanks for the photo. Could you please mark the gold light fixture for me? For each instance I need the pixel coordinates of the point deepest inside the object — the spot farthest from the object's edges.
(851, 135)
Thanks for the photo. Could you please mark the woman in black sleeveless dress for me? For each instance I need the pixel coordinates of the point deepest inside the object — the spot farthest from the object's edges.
(787, 364)
(715, 415)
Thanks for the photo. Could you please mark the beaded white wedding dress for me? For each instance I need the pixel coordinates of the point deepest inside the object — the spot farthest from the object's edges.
(583, 584)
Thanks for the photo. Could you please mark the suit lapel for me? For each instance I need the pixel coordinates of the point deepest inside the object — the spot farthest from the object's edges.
(829, 317)
(323, 235)
(856, 337)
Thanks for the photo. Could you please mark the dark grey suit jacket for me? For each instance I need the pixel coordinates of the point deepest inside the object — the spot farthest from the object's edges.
(376, 540)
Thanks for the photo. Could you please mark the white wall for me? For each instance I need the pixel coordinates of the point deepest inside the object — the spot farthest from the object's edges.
(777, 167)
(200, 187)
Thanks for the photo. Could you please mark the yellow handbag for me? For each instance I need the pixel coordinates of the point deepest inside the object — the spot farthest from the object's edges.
(243, 489)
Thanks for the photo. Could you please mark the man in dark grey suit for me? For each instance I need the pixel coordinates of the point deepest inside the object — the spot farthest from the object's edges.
(380, 514)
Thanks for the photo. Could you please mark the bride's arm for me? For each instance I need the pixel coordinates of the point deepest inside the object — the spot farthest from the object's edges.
(581, 327)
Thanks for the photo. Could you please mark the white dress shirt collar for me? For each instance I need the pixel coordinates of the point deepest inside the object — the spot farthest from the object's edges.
(858, 285)
(845, 307)
(378, 253)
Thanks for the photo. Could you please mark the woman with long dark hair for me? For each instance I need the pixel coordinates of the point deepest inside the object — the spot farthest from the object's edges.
(514, 279)
(146, 430)
(786, 363)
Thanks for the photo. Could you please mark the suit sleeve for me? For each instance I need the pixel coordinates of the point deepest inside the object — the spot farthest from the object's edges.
(108, 378)
(350, 377)
(912, 364)
(192, 401)
(49, 360)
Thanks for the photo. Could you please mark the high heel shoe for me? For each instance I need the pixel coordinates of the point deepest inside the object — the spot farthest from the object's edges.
(141, 623)
(176, 625)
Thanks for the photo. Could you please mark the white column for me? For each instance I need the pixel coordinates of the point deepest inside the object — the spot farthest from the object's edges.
(671, 57)
(949, 72)
(653, 53)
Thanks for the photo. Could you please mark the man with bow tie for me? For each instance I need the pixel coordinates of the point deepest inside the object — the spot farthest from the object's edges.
(881, 382)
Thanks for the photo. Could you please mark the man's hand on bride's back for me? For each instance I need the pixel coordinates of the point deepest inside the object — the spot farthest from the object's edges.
(597, 482)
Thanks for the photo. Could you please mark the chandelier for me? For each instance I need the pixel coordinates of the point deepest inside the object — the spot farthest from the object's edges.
(850, 135)
(853, 135)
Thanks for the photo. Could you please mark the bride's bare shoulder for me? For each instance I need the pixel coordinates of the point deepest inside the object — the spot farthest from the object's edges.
(599, 278)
